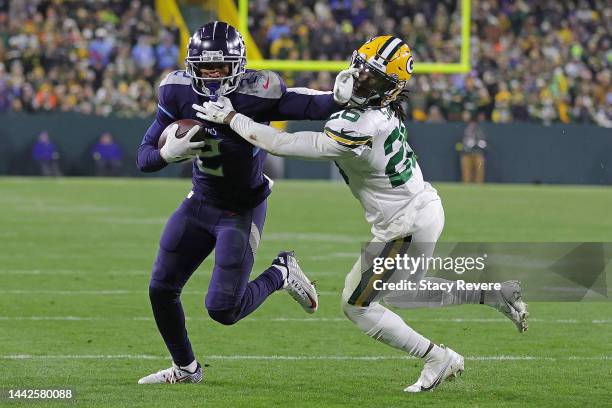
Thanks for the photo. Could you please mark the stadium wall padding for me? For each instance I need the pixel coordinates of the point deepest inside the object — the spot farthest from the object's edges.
(517, 153)
(74, 135)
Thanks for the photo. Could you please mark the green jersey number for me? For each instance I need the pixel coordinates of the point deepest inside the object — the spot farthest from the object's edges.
(350, 114)
(402, 160)
(209, 160)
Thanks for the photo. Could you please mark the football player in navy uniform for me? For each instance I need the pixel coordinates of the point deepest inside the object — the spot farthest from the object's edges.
(226, 208)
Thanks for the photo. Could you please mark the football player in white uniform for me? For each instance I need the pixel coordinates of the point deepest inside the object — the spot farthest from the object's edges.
(368, 144)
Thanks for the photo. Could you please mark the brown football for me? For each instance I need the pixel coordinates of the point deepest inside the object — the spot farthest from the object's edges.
(184, 126)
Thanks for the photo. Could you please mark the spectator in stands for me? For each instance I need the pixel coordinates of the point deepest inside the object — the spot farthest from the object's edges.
(5, 92)
(108, 156)
(545, 61)
(62, 55)
(143, 54)
(46, 155)
(166, 53)
(279, 29)
(100, 49)
(501, 111)
(435, 115)
(359, 13)
(473, 148)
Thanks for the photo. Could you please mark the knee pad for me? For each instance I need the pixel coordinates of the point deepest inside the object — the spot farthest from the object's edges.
(226, 317)
(351, 312)
(366, 318)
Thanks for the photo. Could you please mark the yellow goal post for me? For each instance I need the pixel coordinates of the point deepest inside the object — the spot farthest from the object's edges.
(461, 67)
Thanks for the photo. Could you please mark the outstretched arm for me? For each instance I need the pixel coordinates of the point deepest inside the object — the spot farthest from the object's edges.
(305, 145)
(330, 144)
(305, 103)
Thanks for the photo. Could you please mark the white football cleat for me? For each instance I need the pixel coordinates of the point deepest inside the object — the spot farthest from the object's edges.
(174, 375)
(296, 283)
(512, 306)
(436, 370)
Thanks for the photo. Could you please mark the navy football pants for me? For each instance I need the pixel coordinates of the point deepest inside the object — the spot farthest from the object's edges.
(190, 235)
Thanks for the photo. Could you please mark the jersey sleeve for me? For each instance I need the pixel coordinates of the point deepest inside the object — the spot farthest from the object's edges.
(167, 103)
(148, 158)
(299, 103)
(349, 133)
(305, 145)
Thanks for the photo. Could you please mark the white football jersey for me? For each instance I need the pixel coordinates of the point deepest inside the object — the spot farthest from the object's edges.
(382, 171)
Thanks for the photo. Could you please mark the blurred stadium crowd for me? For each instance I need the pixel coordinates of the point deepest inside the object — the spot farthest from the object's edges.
(546, 61)
(85, 56)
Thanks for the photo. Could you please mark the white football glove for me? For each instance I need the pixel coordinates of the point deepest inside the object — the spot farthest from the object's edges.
(216, 111)
(178, 149)
(343, 87)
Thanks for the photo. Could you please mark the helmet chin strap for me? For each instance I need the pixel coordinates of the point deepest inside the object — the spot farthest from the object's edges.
(359, 101)
(363, 101)
(213, 89)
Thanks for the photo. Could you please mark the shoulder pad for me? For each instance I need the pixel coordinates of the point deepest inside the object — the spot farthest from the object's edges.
(176, 78)
(263, 84)
(349, 129)
(352, 118)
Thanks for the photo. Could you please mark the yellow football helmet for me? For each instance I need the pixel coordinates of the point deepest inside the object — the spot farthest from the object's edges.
(385, 65)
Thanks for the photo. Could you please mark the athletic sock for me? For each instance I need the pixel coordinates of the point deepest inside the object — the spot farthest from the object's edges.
(191, 368)
(383, 325)
(433, 352)
(283, 271)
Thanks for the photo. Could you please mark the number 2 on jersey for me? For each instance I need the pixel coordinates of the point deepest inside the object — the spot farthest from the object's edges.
(206, 159)
(401, 154)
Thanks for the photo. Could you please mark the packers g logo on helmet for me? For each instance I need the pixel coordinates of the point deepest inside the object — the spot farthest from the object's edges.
(385, 64)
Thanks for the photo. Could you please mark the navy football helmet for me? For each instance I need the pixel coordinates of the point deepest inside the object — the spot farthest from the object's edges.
(216, 45)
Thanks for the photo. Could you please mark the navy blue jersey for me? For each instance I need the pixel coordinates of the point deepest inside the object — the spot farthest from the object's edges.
(229, 171)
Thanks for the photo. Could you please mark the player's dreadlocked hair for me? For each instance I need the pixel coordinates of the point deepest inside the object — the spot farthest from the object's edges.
(399, 103)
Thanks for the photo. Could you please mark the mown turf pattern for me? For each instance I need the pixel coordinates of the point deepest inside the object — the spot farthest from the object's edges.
(83, 248)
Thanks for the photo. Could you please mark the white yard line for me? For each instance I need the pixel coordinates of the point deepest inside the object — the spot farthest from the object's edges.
(285, 358)
(327, 256)
(119, 272)
(81, 272)
(69, 292)
(115, 292)
(133, 221)
(315, 237)
(109, 292)
(300, 319)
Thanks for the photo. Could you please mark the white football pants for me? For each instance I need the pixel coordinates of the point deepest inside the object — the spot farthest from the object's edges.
(361, 301)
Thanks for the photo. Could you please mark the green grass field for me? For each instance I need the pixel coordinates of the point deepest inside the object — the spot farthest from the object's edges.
(74, 311)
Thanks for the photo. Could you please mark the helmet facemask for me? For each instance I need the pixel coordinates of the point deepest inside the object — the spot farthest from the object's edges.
(215, 86)
(373, 87)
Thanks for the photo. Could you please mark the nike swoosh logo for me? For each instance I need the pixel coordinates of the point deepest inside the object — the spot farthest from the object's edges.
(313, 304)
(438, 380)
(266, 84)
(346, 132)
